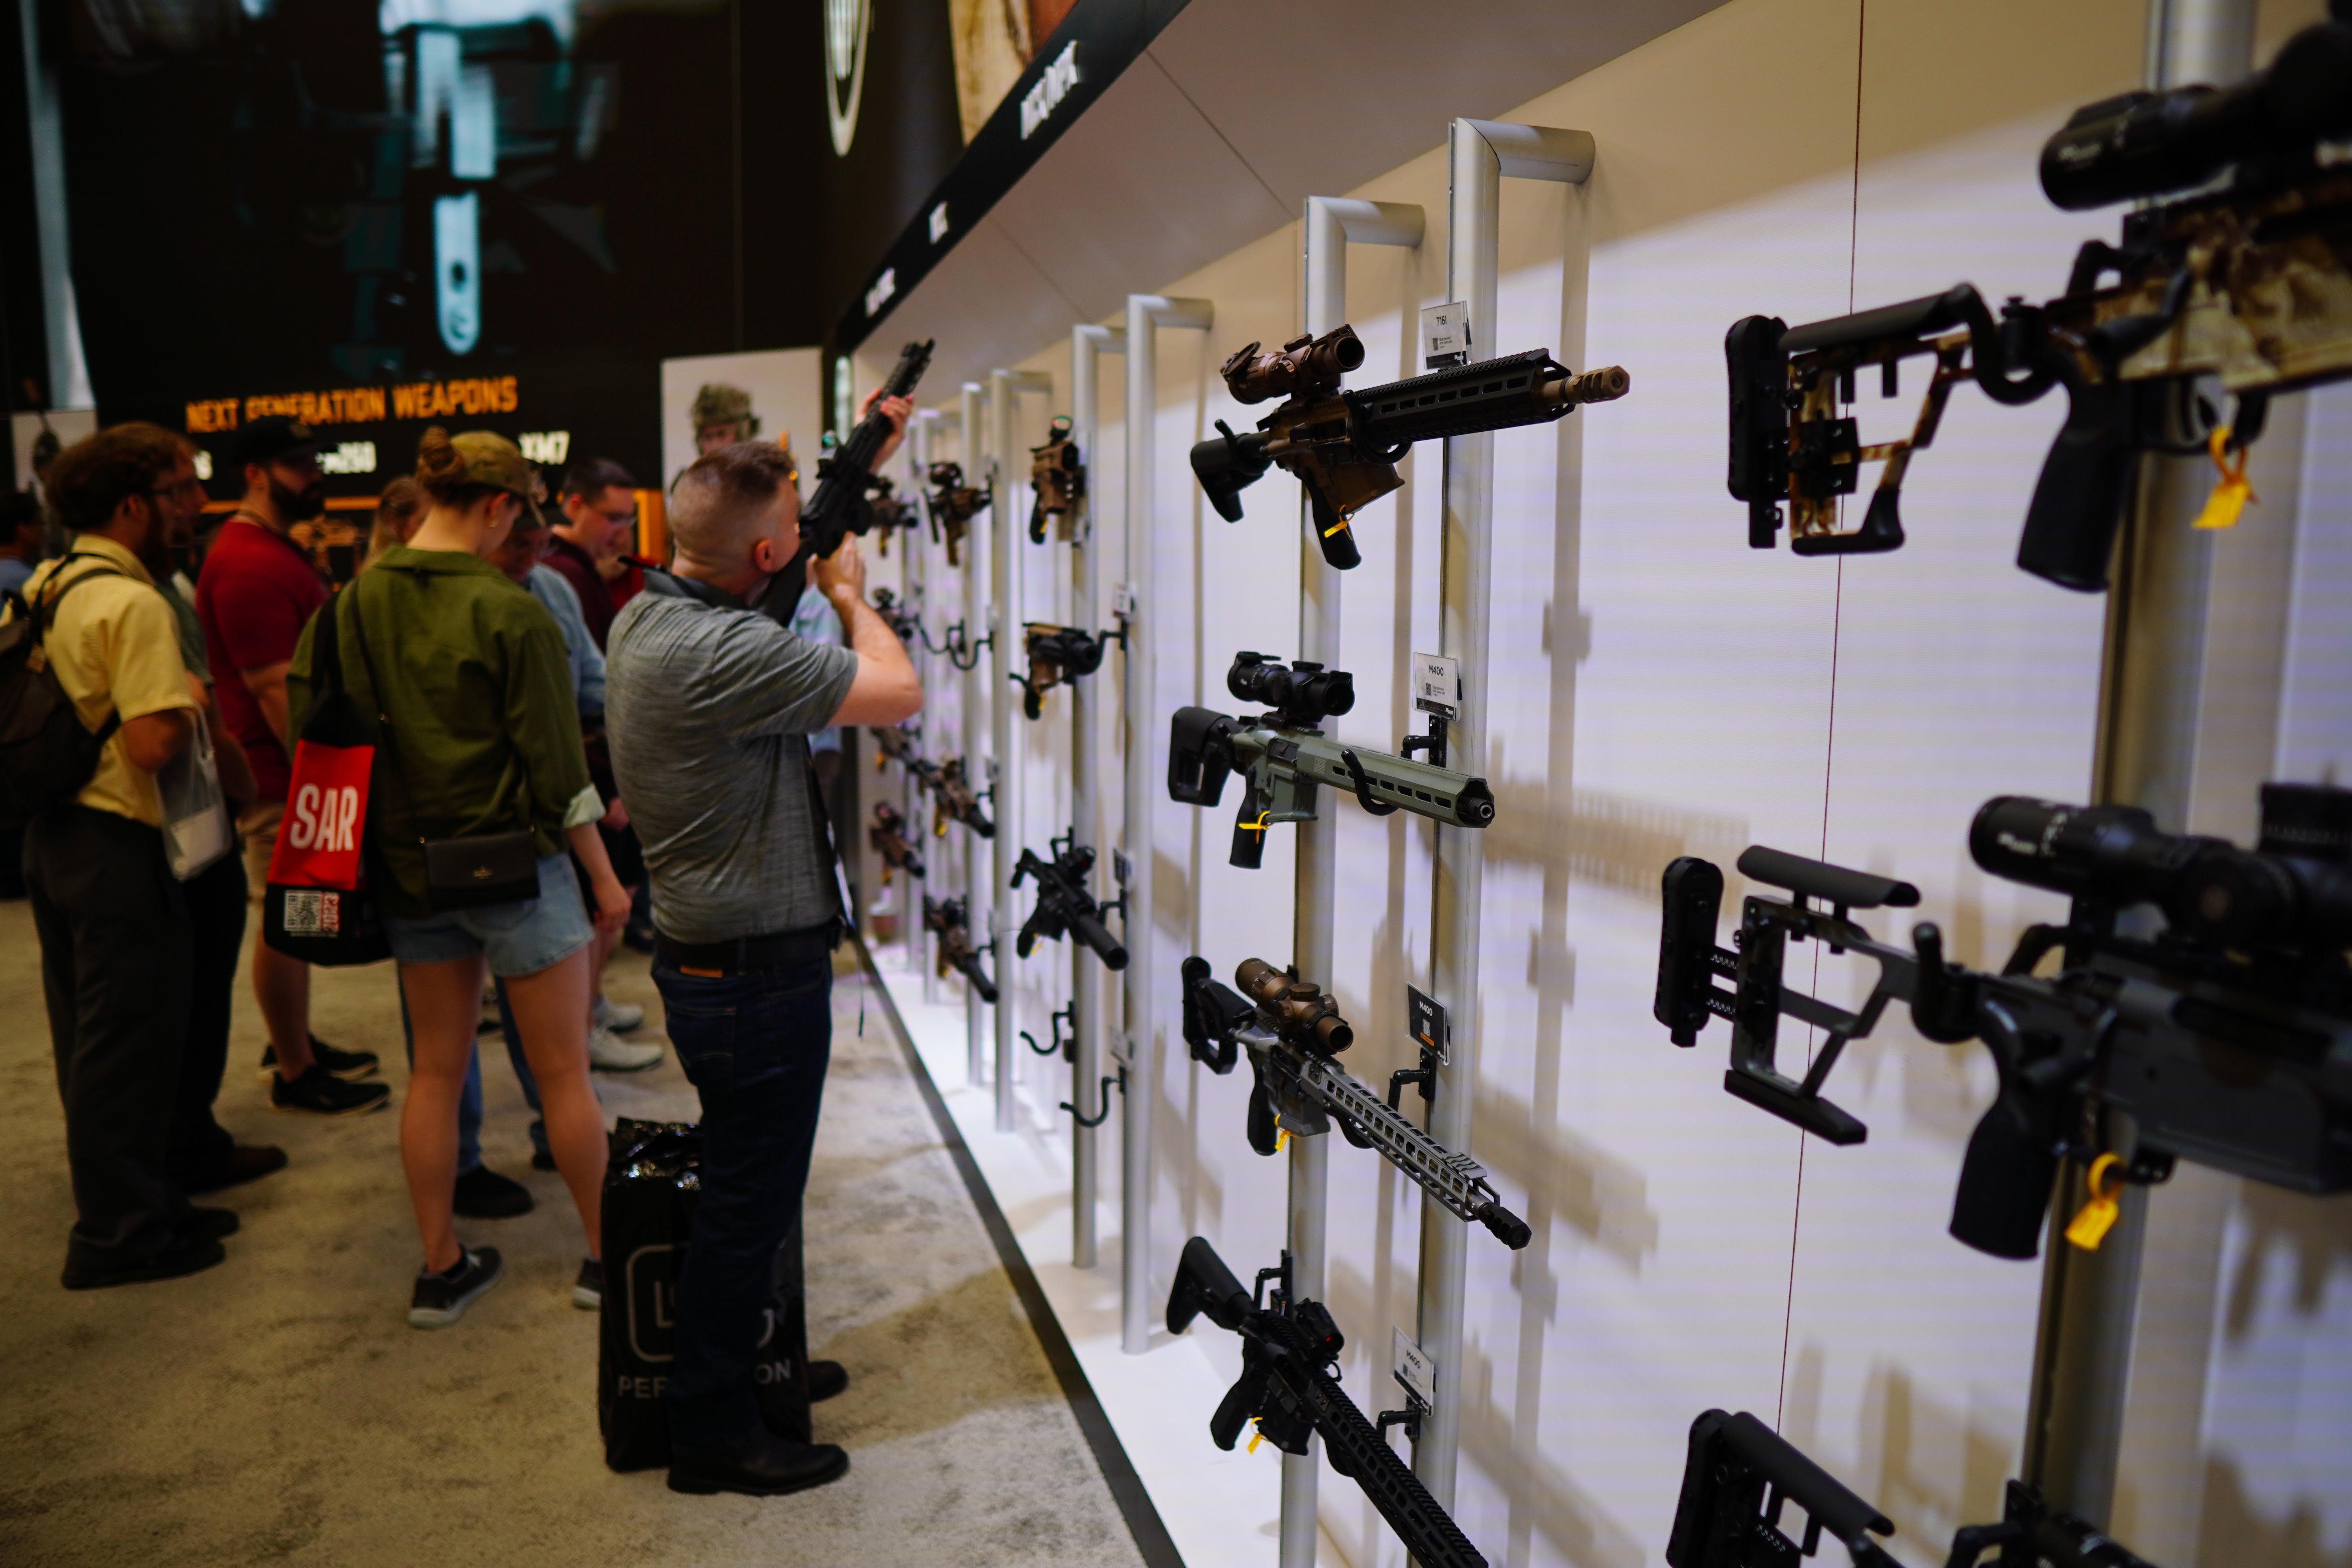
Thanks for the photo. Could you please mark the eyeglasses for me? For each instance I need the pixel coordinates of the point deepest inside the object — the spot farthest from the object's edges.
(180, 487)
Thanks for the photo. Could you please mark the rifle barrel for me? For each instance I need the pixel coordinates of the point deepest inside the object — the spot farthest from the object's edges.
(1527, 388)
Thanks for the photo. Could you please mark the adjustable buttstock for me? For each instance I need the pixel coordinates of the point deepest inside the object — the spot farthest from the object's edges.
(1203, 1284)
(1692, 897)
(1200, 755)
(1723, 1519)
(2078, 504)
(1838, 884)
(1760, 421)
(1881, 531)
(1212, 1012)
(1228, 463)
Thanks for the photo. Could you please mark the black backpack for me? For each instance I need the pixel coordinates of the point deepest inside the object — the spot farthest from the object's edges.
(47, 754)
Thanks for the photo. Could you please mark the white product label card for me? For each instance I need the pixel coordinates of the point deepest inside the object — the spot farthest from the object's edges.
(1413, 1369)
(1437, 684)
(1445, 334)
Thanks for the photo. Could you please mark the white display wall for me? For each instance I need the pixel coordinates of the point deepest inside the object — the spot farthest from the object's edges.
(1658, 689)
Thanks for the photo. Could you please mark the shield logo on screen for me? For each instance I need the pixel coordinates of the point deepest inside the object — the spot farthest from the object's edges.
(847, 25)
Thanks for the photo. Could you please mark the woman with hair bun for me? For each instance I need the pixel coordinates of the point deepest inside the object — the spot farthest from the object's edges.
(477, 736)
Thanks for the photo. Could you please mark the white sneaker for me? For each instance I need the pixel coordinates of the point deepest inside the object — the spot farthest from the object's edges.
(607, 1052)
(618, 1016)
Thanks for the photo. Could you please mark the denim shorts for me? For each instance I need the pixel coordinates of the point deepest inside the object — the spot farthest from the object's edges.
(519, 938)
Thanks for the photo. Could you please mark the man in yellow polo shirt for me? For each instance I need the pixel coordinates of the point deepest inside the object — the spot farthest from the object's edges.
(113, 923)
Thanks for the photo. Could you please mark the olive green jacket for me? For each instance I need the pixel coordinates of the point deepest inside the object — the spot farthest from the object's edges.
(476, 731)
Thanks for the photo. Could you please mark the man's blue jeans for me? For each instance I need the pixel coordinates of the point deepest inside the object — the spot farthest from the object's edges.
(755, 1046)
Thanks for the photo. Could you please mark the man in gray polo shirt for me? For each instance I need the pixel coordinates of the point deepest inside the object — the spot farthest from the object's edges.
(708, 706)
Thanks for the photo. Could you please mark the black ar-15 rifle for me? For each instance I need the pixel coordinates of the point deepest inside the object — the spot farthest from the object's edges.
(946, 919)
(1057, 478)
(2249, 285)
(1740, 1473)
(1289, 1346)
(1343, 446)
(1292, 1030)
(887, 835)
(953, 504)
(1063, 904)
(1282, 757)
(2225, 1039)
(844, 476)
(1058, 654)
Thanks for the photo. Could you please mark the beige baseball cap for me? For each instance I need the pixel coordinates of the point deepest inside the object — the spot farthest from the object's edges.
(492, 460)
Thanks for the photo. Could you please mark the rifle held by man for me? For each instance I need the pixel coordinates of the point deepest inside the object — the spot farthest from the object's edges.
(843, 476)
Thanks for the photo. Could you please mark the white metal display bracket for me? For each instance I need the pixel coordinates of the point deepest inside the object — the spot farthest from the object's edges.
(1480, 154)
(1146, 771)
(1330, 222)
(1004, 389)
(1088, 344)
(974, 398)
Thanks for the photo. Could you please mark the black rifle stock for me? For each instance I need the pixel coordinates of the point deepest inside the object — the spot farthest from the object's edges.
(1343, 446)
(945, 918)
(1292, 1030)
(1064, 903)
(840, 504)
(1283, 755)
(1290, 1347)
(2246, 286)
(2226, 1039)
(1739, 1475)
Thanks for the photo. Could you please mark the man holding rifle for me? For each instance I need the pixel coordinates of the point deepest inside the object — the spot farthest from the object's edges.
(709, 704)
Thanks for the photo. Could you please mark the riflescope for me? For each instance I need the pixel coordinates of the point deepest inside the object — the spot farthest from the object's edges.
(1303, 693)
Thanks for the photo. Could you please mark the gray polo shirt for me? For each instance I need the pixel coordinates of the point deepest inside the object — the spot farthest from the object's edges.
(708, 710)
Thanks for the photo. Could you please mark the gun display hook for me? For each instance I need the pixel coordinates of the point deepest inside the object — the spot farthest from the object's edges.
(958, 642)
(1364, 787)
(1103, 1115)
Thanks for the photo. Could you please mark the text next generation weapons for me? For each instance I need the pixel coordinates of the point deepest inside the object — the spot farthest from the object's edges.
(1740, 1475)
(1292, 1031)
(2225, 1039)
(1289, 1346)
(1343, 446)
(2248, 286)
(1064, 903)
(1282, 757)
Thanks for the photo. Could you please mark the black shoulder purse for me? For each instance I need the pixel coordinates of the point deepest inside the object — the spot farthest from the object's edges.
(464, 873)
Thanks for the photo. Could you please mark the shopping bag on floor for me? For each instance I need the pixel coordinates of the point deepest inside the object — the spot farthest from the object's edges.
(651, 1182)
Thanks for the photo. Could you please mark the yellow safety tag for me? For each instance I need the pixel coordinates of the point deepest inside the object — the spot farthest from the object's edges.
(2097, 1216)
(2231, 491)
(1281, 1136)
(1255, 1438)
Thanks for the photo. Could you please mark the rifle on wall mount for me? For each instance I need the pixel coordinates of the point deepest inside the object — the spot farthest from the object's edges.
(1343, 446)
(2250, 285)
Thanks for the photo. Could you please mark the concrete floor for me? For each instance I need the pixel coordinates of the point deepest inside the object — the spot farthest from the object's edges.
(279, 1409)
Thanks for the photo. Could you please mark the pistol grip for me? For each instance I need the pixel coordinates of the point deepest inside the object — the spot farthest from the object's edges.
(2005, 1184)
(1333, 535)
(2078, 502)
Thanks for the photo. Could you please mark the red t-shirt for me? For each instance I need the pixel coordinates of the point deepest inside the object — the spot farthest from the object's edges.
(255, 595)
(627, 586)
(597, 606)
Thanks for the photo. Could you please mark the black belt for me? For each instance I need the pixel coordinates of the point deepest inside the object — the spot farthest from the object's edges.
(749, 954)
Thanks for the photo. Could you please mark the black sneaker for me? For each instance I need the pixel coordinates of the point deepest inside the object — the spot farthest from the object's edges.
(349, 1066)
(826, 1378)
(188, 1255)
(440, 1300)
(316, 1093)
(211, 1223)
(244, 1162)
(588, 1290)
(766, 1467)
(483, 1194)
